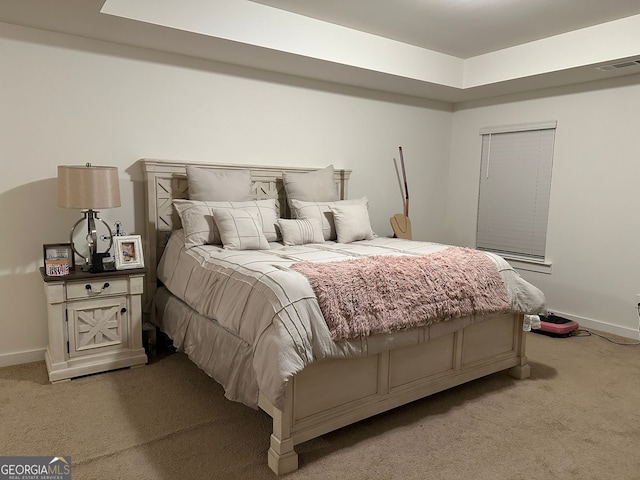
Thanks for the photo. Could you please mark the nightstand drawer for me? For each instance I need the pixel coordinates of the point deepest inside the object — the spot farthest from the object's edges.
(97, 288)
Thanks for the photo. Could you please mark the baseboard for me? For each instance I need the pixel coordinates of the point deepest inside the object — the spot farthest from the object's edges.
(589, 323)
(18, 358)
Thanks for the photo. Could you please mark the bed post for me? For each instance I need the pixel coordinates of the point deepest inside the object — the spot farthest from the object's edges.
(281, 457)
(522, 370)
(150, 238)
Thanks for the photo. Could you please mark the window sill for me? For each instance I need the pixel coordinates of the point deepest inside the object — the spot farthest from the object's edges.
(529, 265)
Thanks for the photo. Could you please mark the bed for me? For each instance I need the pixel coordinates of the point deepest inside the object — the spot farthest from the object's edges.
(254, 324)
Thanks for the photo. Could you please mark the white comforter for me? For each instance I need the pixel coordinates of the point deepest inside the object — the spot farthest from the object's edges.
(272, 310)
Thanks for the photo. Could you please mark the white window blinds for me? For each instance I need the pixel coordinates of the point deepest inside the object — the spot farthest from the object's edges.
(515, 185)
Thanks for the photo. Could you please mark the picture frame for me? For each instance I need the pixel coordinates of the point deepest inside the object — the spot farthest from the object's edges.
(58, 259)
(128, 252)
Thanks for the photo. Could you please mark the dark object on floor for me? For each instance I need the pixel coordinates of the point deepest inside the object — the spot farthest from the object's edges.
(149, 339)
(164, 344)
(556, 326)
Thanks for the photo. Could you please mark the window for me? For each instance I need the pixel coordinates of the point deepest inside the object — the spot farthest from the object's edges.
(515, 185)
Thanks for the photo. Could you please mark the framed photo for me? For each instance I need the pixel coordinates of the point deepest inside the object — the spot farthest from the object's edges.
(58, 259)
(128, 251)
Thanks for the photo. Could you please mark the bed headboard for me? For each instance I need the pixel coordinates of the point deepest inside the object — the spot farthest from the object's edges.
(165, 180)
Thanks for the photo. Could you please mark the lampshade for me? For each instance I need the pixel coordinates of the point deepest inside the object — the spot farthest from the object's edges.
(88, 187)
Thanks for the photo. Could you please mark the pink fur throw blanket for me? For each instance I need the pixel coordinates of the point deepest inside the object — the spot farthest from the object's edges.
(384, 293)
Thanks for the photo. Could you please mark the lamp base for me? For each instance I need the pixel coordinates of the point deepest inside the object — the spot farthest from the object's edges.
(90, 216)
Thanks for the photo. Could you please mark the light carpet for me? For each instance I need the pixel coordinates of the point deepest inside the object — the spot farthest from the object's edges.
(577, 417)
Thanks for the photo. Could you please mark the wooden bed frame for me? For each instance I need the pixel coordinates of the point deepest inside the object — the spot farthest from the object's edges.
(334, 393)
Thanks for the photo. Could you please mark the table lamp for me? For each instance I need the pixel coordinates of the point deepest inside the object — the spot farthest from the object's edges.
(87, 188)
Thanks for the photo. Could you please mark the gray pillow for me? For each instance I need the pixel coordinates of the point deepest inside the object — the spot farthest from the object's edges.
(352, 222)
(240, 229)
(198, 221)
(219, 185)
(316, 186)
(322, 212)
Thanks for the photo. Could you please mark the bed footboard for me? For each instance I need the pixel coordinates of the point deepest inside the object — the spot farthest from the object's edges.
(334, 393)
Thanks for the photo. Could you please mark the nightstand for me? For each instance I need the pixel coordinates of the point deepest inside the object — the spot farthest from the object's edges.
(95, 322)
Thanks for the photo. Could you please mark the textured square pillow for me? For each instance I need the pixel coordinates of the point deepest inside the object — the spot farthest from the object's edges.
(352, 223)
(301, 232)
(219, 185)
(199, 226)
(322, 211)
(316, 186)
(240, 229)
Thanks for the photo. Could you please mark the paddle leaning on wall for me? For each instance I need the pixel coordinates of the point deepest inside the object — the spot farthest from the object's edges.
(400, 223)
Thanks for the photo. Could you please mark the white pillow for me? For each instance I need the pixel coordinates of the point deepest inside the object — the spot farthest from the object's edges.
(352, 223)
(219, 185)
(240, 229)
(322, 212)
(200, 228)
(316, 186)
(301, 232)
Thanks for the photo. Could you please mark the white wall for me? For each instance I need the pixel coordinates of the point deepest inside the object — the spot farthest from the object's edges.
(69, 100)
(594, 226)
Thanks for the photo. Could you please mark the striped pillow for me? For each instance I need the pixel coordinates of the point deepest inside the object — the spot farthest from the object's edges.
(301, 232)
